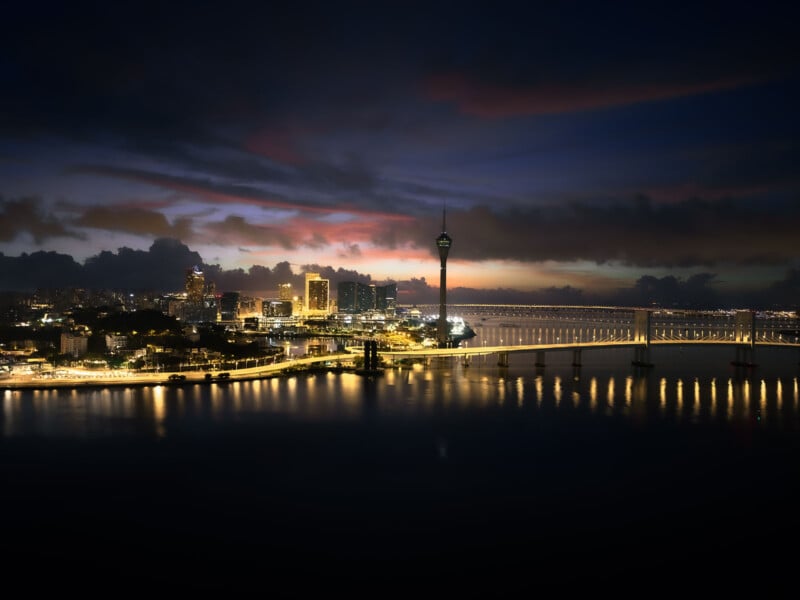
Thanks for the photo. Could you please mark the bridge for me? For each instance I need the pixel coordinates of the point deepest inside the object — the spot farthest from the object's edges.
(640, 329)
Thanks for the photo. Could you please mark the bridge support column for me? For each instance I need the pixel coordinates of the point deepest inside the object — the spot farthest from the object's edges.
(502, 359)
(466, 361)
(576, 357)
(641, 356)
(370, 356)
(745, 356)
(539, 359)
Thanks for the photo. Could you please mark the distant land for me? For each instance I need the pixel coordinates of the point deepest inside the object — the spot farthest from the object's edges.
(163, 266)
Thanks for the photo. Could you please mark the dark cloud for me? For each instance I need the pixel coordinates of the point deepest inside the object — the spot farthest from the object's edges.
(26, 216)
(488, 100)
(137, 221)
(161, 268)
(670, 291)
(637, 232)
(40, 269)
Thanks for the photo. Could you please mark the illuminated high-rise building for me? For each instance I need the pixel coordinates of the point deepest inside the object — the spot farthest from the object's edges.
(284, 291)
(195, 284)
(443, 243)
(317, 292)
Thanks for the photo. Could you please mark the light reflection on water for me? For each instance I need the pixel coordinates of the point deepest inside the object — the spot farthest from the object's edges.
(448, 388)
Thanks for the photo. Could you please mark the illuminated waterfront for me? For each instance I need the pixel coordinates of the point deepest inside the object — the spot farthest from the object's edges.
(479, 480)
(692, 386)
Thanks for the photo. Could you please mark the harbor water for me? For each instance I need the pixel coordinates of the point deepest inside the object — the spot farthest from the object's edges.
(452, 478)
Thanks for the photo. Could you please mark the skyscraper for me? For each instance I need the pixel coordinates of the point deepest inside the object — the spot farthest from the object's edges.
(316, 294)
(346, 296)
(443, 243)
(285, 291)
(386, 298)
(195, 284)
(229, 307)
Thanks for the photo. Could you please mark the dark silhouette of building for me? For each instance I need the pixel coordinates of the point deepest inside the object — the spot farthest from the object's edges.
(354, 297)
(229, 306)
(443, 243)
(386, 297)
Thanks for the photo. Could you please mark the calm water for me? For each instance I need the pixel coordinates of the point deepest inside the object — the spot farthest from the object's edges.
(465, 481)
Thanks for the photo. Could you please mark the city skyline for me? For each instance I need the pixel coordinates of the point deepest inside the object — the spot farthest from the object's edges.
(585, 153)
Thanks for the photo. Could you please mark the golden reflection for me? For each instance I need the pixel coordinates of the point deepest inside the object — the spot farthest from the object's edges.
(628, 390)
(746, 396)
(796, 390)
(520, 391)
(762, 400)
(128, 403)
(236, 396)
(159, 409)
(679, 396)
(9, 413)
(540, 390)
(662, 394)
(501, 391)
(696, 410)
(294, 384)
(576, 398)
(557, 390)
(610, 394)
(730, 399)
(216, 399)
(593, 394)
(274, 387)
(485, 389)
(714, 396)
(779, 393)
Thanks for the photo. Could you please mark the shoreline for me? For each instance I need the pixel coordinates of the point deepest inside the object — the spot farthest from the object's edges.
(191, 377)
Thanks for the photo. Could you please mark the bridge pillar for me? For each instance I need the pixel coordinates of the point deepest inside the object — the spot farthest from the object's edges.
(745, 356)
(745, 334)
(466, 361)
(576, 357)
(539, 358)
(370, 355)
(502, 359)
(641, 334)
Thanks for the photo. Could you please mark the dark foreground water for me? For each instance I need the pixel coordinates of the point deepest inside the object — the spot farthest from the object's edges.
(449, 481)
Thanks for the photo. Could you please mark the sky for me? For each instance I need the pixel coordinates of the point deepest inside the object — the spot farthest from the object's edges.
(582, 152)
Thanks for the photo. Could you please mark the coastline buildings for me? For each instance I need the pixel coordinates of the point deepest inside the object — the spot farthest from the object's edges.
(75, 345)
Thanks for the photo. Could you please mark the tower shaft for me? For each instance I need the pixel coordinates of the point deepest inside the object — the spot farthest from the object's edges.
(443, 243)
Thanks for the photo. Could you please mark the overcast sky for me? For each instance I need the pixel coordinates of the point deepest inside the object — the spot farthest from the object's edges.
(576, 146)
